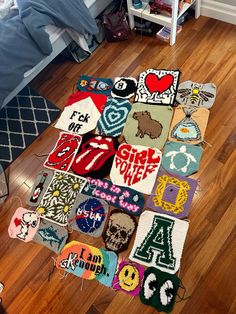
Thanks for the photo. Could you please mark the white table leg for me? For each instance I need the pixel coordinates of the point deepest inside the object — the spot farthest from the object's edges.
(197, 9)
(131, 17)
(174, 22)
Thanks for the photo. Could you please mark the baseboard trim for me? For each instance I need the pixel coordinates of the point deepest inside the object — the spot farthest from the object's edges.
(219, 11)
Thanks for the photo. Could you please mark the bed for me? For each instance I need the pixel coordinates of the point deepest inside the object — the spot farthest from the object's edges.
(59, 38)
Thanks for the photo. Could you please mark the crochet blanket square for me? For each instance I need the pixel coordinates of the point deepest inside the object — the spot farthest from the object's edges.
(89, 215)
(128, 278)
(124, 198)
(124, 87)
(157, 87)
(159, 241)
(180, 158)
(60, 197)
(50, 235)
(196, 95)
(41, 183)
(136, 166)
(172, 194)
(114, 115)
(63, 154)
(24, 224)
(88, 262)
(148, 125)
(95, 84)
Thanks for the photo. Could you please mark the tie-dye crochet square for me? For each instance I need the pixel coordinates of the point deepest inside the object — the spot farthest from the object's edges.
(196, 95)
(172, 194)
(128, 278)
(157, 87)
(95, 85)
(41, 183)
(113, 117)
(50, 235)
(159, 289)
(159, 241)
(148, 125)
(63, 154)
(60, 196)
(88, 262)
(89, 215)
(180, 158)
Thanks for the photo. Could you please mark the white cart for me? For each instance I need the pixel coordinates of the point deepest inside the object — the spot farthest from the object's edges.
(169, 21)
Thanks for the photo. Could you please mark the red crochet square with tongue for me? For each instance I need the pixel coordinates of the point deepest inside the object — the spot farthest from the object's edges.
(95, 156)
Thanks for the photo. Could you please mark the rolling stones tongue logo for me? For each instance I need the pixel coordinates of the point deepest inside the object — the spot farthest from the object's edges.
(64, 152)
(95, 156)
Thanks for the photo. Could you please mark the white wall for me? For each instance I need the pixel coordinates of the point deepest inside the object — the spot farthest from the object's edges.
(223, 10)
(230, 2)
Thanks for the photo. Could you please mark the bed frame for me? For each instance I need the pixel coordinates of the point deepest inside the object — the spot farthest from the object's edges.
(95, 8)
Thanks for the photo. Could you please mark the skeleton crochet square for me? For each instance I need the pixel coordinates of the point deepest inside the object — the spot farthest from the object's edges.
(159, 241)
(136, 167)
(148, 125)
(119, 231)
(172, 194)
(60, 196)
(157, 87)
(63, 154)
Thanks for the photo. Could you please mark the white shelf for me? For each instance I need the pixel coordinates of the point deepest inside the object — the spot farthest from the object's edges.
(144, 13)
(168, 21)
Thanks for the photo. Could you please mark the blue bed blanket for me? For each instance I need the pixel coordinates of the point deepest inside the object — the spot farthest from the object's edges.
(24, 42)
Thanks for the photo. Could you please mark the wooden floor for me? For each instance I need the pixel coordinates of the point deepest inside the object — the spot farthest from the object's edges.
(205, 52)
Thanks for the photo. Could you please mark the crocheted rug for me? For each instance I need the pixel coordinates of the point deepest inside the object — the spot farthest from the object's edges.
(136, 167)
(88, 262)
(172, 194)
(89, 215)
(22, 121)
(148, 125)
(60, 196)
(159, 289)
(159, 241)
(157, 87)
(128, 278)
(124, 198)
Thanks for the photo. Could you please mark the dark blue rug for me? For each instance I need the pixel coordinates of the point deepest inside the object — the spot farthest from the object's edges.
(21, 121)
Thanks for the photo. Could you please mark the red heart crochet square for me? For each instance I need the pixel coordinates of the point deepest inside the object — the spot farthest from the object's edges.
(155, 84)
